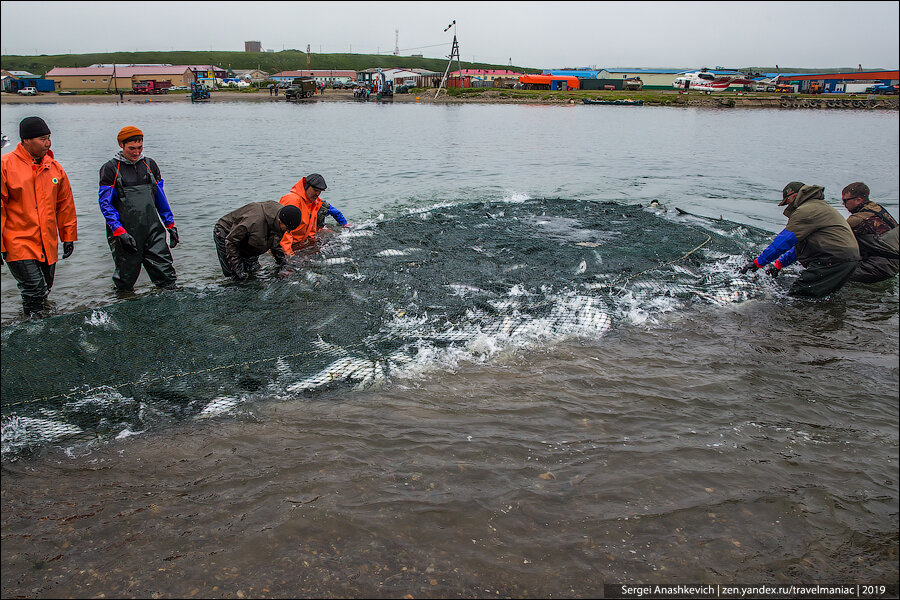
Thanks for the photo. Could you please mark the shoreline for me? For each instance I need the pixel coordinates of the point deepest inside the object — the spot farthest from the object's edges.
(491, 96)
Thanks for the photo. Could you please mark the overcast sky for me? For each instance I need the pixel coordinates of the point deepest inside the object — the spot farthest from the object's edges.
(527, 34)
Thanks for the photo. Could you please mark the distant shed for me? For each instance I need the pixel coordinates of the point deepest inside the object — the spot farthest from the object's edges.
(837, 82)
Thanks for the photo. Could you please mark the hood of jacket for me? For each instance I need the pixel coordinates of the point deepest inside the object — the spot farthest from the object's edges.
(806, 193)
(120, 156)
(300, 189)
(24, 155)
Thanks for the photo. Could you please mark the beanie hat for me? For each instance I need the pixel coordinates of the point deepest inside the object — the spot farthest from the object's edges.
(317, 181)
(291, 217)
(128, 132)
(790, 188)
(32, 127)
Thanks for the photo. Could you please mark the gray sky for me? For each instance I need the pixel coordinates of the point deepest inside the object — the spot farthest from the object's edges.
(530, 34)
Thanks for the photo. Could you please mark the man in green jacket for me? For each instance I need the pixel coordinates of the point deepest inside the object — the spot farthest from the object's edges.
(816, 235)
(876, 233)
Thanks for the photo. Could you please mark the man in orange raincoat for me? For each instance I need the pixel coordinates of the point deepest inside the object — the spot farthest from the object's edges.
(305, 196)
(36, 210)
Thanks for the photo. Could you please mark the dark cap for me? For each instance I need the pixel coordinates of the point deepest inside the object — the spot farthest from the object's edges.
(790, 188)
(317, 181)
(291, 217)
(32, 127)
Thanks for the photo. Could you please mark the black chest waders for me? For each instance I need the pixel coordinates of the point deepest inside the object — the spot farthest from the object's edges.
(137, 213)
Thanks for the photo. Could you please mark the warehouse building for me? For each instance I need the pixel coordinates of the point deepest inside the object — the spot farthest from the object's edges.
(116, 77)
(327, 76)
(654, 79)
(840, 82)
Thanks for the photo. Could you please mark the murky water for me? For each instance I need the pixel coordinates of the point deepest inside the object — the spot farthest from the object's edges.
(689, 437)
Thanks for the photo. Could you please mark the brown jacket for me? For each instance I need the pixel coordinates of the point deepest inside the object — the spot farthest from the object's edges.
(821, 231)
(252, 230)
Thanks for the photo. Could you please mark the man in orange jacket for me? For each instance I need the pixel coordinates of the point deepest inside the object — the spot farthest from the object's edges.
(36, 210)
(305, 196)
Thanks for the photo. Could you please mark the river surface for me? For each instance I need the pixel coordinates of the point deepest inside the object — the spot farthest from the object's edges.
(512, 377)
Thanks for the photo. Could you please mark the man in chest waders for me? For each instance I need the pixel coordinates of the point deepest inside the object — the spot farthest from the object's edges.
(133, 202)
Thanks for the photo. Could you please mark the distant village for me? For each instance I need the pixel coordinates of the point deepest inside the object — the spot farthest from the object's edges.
(141, 77)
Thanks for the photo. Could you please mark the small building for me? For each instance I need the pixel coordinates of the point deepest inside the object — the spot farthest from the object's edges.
(8, 81)
(398, 76)
(426, 78)
(251, 75)
(327, 76)
(484, 77)
(839, 82)
(206, 72)
(14, 81)
(367, 76)
(252, 46)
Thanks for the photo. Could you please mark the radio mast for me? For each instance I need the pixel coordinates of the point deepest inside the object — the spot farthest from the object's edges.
(396, 42)
(454, 51)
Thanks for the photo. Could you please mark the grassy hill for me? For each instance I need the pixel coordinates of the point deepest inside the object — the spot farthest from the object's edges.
(271, 62)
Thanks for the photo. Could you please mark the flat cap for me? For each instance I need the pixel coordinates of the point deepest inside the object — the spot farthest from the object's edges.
(317, 181)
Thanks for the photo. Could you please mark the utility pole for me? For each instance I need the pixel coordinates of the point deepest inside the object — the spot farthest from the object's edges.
(307, 57)
(396, 42)
(454, 51)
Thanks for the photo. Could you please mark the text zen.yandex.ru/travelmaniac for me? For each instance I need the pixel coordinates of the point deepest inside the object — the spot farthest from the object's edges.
(762, 591)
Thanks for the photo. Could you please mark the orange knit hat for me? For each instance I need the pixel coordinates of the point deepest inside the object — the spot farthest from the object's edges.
(127, 132)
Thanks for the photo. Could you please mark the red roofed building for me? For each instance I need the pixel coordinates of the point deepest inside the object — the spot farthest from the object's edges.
(100, 77)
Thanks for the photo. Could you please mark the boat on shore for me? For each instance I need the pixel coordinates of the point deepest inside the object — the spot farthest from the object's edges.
(614, 102)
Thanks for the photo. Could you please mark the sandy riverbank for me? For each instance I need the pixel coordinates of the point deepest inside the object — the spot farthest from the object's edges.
(489, 96)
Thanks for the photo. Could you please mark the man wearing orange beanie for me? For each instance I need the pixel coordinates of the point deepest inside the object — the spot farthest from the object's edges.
(135, 207)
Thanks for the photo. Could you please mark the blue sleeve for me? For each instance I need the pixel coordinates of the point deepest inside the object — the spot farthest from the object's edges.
(162, 205)
(788, 258)
(107, 193)
(337, 215)
(783, 242)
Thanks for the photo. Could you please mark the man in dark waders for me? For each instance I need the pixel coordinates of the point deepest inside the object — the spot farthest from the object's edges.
(133, 201)
(816, 235)
(245, 234)
(876, 233)
(36, 211)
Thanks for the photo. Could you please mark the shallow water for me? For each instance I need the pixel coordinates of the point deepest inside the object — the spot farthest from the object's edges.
(694, 438)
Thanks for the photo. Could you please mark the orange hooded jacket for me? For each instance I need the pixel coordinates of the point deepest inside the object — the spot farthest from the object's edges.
(35, 202)
(309, 211)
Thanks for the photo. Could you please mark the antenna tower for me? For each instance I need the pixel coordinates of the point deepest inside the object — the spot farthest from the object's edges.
(307, 57)
(396, 42)
(454, 51)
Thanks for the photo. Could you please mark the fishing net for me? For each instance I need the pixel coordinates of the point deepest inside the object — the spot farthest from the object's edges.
(360, 307)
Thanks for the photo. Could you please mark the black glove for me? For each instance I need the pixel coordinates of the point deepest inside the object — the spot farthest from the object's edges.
(773, 271)
(127, 242)
(239, 272)
(173, 237)
(68, 249)
(750, 266)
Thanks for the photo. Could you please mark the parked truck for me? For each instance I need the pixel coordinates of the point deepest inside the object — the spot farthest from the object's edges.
(301, 87)
(882, 89)
(150, 86)
(856, 88)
